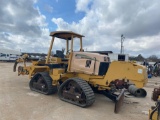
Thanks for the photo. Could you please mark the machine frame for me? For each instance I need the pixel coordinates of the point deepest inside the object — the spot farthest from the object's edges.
(118, 76)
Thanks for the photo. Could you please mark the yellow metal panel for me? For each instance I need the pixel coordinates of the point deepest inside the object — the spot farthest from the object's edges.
(120, 70)
(58, 71)
(55, 77)
(69, 62)
(35, 69)
(56, 60)
(56, 74)
(68, 75)
(127, 70)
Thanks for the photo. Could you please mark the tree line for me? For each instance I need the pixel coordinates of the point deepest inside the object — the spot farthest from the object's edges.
(152, 58)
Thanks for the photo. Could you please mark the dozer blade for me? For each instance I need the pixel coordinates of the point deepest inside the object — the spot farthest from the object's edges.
(119, 101)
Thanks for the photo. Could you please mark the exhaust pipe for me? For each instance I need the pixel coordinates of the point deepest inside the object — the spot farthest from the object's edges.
(138, 92)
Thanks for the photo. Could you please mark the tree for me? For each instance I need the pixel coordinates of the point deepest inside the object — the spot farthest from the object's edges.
(140, 58)
(153, 58)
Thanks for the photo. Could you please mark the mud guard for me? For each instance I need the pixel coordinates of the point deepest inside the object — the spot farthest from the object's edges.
(119, 101)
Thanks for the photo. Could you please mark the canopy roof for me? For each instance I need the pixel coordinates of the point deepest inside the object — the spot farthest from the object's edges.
(67, 35)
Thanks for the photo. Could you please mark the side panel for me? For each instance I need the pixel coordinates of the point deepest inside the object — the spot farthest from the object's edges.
(88, 63)
(135, 73)
(79, 65)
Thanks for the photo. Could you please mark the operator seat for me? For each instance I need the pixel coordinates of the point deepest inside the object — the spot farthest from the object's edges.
(59, 54)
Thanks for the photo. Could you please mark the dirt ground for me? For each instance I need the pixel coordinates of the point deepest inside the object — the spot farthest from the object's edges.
(18, 102)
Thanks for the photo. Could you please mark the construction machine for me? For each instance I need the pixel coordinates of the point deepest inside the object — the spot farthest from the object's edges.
(154, 112)
(77, 74)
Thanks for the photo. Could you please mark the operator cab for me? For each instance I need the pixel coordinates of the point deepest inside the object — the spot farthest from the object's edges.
(67, 36)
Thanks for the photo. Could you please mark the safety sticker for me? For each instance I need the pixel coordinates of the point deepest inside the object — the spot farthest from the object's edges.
(140, 71)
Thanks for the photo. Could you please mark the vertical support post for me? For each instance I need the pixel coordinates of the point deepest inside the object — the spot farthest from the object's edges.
(72, 43)
(81, 48)
(70, 55)
(49, 51)
(67, 46)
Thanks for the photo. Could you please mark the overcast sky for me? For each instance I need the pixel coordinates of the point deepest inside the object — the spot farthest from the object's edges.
(26, 24)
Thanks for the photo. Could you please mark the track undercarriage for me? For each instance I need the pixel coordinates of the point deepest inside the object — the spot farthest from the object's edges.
(42, 83)
(74, 90)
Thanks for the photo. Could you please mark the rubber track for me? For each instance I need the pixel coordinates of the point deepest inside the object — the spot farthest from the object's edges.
(51, 89)
(90, 97)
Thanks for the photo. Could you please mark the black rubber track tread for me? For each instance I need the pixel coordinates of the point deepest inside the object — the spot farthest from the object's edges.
(90, 97)
(51, 89)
